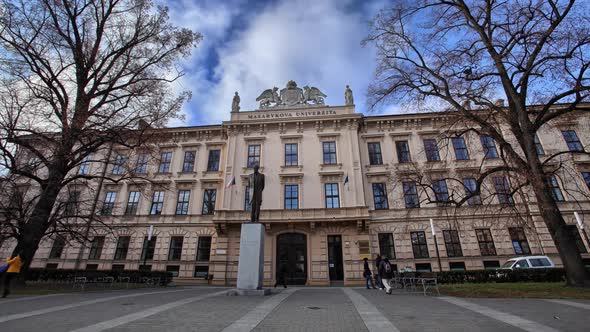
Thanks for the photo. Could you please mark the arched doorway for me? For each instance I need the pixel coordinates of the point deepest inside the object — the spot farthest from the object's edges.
(292, 251)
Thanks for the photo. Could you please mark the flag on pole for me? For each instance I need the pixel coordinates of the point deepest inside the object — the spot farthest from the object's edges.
(231, 182)
(346, 180)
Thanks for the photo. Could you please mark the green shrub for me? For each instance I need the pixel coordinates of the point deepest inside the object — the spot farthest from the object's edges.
(59, 275)
(518, 275)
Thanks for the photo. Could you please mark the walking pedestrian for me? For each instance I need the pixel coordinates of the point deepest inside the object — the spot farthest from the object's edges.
(377, 266)
(368, 274)
(14, 265)
(282, 276)
(386, 273)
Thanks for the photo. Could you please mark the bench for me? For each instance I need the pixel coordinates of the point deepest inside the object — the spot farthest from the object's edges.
(80, 282)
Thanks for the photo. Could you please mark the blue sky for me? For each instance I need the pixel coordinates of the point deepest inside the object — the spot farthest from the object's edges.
(250, 46)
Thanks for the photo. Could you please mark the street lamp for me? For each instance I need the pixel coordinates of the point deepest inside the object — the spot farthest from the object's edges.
(581, 224)
(435, 244)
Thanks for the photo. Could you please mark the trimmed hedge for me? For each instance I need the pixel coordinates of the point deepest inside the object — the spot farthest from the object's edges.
(135, 276)
(519, 275)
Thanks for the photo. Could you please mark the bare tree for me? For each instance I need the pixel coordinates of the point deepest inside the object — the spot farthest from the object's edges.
(78, 79)
(461, 56)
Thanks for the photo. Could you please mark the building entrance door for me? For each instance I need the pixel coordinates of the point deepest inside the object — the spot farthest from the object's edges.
(335, 264)
(292, 251)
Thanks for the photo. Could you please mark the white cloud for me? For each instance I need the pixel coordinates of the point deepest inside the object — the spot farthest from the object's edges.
(315, 43)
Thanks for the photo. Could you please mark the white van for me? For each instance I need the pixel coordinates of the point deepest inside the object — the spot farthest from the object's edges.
(528, 262)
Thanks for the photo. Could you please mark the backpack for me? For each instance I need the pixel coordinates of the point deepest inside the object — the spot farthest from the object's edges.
(387, 267)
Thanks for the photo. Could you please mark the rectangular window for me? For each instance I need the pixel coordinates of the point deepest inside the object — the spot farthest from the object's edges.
(165, 161)
(431, 148)
(148, 248)
(157, 202)
(457, 266)
(119, 165)
(555, 190)
(182, 203)
(247, 204)
(213, 161)
(461, 152)
(386, 245)
(173, 269)
(188, 165)
(291, 158)
(332, 196)
(375, 157)
(573, 229)
(57, 248)
(209, 196)
(489, 147)
(419, 245)
(132, 203)
(291, 196)
(503, 190)
(441, 192)
(411, 195)
(572, 140)
(109, 203)
(519, 242)
(586, 176)
(96, 247)
(486, 242)
(91, 267)
(84, 166)
(380, 196)
(253, 155)
(122, 248)
(71, 206)
(539, 147)
(175, 251)
(423, 267)
(118, 267)
(201, 271)
(452, 243)
(141, 165)
(470, 189)
(204, 249)
(329, 149)
(403, 152)
(491, 265)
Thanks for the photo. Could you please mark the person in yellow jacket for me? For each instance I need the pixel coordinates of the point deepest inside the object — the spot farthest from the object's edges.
(14, 265)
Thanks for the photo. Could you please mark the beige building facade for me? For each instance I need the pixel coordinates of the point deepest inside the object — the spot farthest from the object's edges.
(340, 186)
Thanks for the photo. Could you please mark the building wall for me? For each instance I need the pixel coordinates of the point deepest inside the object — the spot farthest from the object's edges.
(356, 220)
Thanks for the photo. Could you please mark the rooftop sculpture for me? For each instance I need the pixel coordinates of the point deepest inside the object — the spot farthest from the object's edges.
(290, 96)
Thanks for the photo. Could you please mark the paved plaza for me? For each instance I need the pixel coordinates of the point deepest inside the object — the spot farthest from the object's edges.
(291, 309)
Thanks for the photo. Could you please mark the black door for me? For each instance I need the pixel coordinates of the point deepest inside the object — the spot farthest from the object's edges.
(335, 258)
(292, 251)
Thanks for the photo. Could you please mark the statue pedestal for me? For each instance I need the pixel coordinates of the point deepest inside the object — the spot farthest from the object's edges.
(251, 261)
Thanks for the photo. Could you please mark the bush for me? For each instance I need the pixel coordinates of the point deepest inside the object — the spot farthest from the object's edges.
(519, 275)
(134, 276)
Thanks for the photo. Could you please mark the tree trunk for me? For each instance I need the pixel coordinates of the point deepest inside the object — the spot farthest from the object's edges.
(33, 231)
(576, 274)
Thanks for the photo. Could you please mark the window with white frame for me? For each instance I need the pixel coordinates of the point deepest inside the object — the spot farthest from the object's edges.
(182, 202)
(165, 162)
(157, 202)
(188, 164)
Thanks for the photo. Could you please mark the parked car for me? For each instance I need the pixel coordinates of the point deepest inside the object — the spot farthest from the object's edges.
(528, 262)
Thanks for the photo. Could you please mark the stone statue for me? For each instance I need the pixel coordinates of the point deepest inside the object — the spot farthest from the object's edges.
(268, 97)
(314, 95)
(348, 100)
(256, 182)
(235, 104)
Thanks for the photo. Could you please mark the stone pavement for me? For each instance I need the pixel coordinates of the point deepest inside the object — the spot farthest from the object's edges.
(293, 309)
